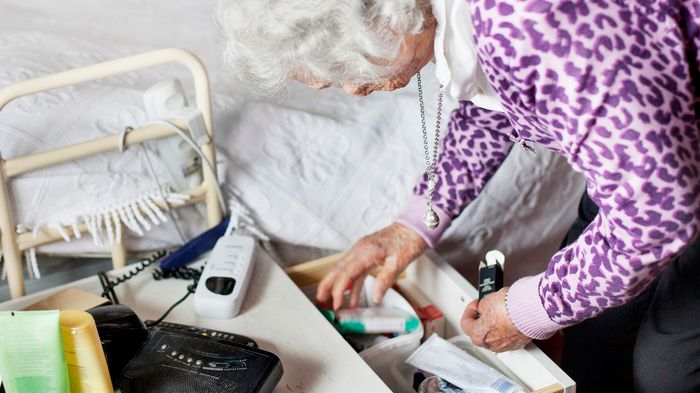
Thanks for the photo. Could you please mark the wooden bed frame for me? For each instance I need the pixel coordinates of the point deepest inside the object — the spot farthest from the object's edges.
(12, 243)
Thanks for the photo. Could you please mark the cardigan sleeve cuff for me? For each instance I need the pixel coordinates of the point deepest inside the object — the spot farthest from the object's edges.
(526, 310)
(412, 217)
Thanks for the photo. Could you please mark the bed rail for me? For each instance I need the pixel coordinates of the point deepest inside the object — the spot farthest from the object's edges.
(11, 242)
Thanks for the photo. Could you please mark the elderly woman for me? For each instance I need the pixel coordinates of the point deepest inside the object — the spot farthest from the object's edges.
(613, 86)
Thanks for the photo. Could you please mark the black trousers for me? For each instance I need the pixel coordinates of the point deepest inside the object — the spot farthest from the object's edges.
(649, 345)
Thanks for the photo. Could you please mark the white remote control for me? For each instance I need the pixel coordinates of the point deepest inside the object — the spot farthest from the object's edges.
(224, 281)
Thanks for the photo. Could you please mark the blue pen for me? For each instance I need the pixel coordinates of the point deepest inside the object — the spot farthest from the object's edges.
(194, 248)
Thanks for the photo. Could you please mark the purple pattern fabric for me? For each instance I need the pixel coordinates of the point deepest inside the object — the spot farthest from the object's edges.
(612, 86)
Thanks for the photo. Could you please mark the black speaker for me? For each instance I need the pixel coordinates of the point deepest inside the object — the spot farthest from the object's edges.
(182, 361)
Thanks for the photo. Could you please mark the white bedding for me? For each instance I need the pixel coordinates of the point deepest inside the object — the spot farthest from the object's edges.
(318, 169)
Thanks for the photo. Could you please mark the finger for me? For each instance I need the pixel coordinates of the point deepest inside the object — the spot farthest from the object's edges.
(475, 325)
(473, 308)
(345, 279)
(489, 342)
(348, 266)
(356, 290)
(481, 343)
(477, 333)
(477, 339)
(469, 319)
(339, 287)
(323, 292)
(471, 312)
(385, 279)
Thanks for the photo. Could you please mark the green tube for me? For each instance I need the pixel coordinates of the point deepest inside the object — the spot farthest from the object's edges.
(31, 352)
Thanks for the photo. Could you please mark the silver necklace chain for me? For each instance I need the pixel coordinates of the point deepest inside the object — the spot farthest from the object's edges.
(430, 219)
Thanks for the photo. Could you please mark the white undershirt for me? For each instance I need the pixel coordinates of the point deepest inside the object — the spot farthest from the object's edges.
(456, 60)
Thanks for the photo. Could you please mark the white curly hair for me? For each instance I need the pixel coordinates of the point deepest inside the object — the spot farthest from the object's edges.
(269, 42)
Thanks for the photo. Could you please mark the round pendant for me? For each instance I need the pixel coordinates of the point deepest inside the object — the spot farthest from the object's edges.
(431, 219)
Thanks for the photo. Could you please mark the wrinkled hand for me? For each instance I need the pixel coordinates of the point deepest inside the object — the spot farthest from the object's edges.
(487, 323)
(392, 248)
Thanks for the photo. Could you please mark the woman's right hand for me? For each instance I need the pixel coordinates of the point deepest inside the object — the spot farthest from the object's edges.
(392, 248)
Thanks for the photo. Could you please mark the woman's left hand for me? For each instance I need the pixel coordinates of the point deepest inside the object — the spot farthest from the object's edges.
(487, 323)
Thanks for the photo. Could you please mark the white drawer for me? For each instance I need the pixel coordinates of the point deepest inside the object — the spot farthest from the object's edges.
(440, 283)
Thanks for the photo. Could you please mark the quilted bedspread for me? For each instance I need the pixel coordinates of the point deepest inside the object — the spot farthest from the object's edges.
(317, 169)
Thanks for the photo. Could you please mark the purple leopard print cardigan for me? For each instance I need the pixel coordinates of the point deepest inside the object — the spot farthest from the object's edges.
(613, 87)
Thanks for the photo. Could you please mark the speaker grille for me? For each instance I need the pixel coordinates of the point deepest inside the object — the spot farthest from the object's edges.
(171, 380)
(174, 362)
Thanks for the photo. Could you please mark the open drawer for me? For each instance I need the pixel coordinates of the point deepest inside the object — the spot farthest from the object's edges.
(431, 277)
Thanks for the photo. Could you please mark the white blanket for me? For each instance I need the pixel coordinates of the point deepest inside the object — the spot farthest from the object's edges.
(318, 169)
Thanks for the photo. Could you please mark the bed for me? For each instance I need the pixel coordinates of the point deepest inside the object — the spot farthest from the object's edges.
(317, 169)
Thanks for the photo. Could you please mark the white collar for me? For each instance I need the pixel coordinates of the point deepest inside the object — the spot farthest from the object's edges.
(456, 60)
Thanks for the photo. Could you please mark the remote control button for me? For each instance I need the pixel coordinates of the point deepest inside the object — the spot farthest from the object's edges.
(189, 360)
(164, 346)
(198, 362)
(173, 353)
(181, 357)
